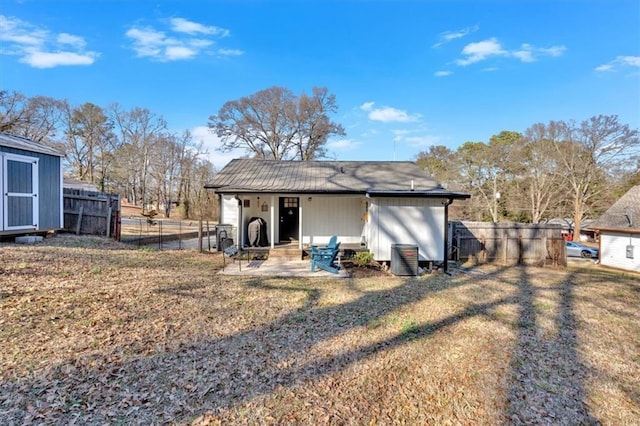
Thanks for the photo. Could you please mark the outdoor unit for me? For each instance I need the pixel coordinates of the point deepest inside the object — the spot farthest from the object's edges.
(404, 259)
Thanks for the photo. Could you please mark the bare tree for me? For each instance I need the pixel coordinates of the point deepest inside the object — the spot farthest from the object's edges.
(88, 142)
(167, 161)
(138, 131)
(275, 124)
(486, 169)
(34, 118)
(442, 164)
(588, 153)
(538, 179)
(12, 111)
(314, 125)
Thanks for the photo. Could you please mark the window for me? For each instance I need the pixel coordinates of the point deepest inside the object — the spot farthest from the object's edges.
(290, 202)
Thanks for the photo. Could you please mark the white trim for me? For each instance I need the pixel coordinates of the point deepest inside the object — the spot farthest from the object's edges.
(62, 195)
(33, 194)
(300, 234)
(2, 189)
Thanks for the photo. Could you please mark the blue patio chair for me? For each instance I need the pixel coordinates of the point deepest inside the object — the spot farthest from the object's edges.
(325, 257)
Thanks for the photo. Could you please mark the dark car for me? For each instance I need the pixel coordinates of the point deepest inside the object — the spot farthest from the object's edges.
(580, 250)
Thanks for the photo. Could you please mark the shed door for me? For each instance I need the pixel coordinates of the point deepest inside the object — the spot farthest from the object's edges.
(20, 192)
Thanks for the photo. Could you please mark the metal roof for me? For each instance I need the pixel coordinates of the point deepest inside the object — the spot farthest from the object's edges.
(623, 215)
(381, 178)
(18, 142)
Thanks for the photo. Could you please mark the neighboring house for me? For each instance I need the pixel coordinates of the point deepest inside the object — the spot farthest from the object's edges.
(586, 234)
(73, 183)
(31, 181)
(619, 229)
(365, 203)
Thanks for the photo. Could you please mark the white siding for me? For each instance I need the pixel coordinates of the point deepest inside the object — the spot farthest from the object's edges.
(407, 221)
(613, 250)
(324, 216)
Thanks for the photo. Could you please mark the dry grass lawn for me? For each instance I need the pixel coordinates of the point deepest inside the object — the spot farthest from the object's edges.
(96, 332)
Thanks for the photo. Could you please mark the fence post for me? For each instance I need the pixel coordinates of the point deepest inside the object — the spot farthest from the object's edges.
(109, 222)
(79, 220)
(505, 240)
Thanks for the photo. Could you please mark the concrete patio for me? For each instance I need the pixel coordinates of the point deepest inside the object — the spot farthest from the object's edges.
(278, 268)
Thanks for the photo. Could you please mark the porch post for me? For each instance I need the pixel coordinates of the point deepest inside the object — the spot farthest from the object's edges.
(240, 241)
(272, 217)
(300, 218)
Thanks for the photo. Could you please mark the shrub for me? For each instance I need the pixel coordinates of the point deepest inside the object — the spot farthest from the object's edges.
(362, 258)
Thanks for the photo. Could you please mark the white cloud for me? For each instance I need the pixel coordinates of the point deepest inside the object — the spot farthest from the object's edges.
(230, 52)
(476, 52)
(399, 135)
(38, 59)
(343, 144)
(211, 142)
(633, 61)
(619, 62)
(447, 36)
(367, 106)
(529, 53)
(72, 40)
(422, 141)
(483, 50)
(409, 137)
(182, 25)
(389, 114)
(41, 48)
(180, 43)
(174, 53)
(604, 68)
(442, 73)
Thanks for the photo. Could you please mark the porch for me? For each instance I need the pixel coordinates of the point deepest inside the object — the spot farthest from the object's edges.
(291, 251)
(284, 260)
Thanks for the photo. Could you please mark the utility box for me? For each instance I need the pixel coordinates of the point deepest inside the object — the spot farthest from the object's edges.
(629, 251)
(404, 259)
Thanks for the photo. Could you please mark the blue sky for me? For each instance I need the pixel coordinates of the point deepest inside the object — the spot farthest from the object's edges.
(406, 74)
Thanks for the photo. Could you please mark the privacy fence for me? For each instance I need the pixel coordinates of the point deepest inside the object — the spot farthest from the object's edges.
(94, 213)
(507, 243)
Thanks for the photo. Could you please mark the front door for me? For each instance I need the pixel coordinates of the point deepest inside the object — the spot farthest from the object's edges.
(289, 218)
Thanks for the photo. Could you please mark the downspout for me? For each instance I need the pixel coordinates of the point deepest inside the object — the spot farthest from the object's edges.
(446, 234)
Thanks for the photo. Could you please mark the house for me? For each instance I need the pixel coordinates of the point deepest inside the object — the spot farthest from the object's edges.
(586, 233)
(31, 181)
(619, 229)
(365, 203)
(72, 183)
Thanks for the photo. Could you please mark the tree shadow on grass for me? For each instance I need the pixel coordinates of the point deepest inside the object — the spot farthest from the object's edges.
(547, 383)
(211, 375)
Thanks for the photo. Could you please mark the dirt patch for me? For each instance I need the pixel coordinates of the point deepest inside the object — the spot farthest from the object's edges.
(97, 332)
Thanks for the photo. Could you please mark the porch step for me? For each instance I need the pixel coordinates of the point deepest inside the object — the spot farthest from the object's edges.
(285, 254)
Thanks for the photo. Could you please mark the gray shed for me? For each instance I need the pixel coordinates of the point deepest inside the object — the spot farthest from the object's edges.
(31, 182)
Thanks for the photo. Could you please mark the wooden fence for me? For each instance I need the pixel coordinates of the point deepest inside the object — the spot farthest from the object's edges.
(94, 213)
(507, 243)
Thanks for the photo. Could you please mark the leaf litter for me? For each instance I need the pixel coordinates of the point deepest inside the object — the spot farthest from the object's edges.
(97, 332)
